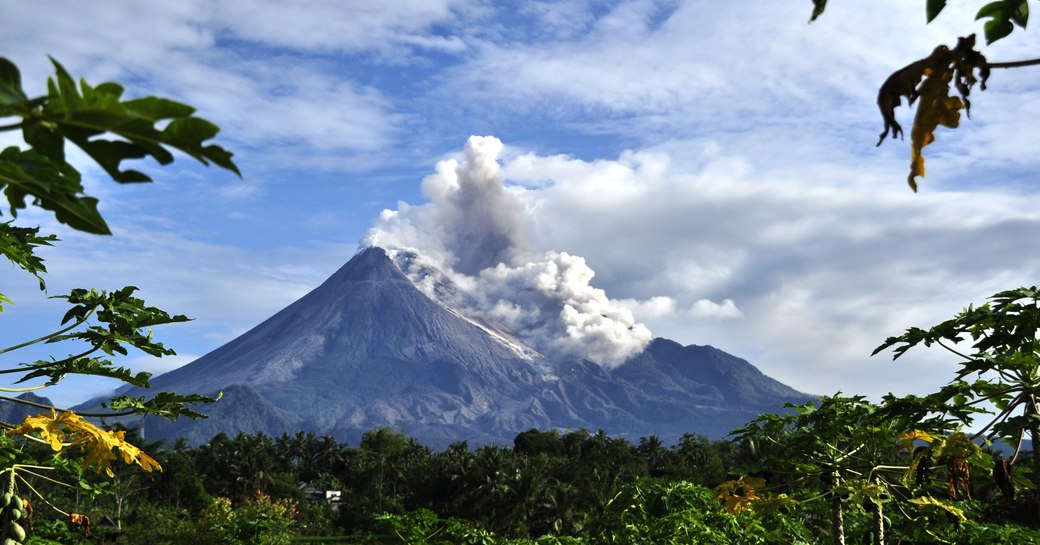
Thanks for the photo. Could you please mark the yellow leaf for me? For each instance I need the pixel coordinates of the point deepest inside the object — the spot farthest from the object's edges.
(930, 79)
(47, 425)
(930, 502)
(738, 495)
(69, 428)
(906, 439)
(936, 107)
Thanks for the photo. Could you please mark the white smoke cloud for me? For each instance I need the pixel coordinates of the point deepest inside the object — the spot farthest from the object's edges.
(472, 230)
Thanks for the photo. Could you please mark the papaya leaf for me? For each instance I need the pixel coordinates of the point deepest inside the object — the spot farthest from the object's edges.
(904, 83)
(17, 244)
(165, 404)
(991, 10)
(125, 321)
(107, 128)
(56, 188)
(907, 439)
(44, 139)
(57, 370)
(11, 94)
(99, 110)
(996, 29)
(59, 430)
(1003, 15)
(1020, 13)
(158, 108)
(928, 502)
(930, 80)
(936, 108)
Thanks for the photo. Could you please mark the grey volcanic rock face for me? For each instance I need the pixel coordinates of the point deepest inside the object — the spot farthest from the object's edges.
(368, 349)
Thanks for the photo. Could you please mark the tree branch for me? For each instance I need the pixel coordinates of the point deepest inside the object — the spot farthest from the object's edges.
(1013, 64)
(50, 407)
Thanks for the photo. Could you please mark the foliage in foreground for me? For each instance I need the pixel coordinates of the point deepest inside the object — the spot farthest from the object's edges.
(99, 325)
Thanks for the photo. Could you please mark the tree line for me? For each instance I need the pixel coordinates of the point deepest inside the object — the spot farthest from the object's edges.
(762, 486)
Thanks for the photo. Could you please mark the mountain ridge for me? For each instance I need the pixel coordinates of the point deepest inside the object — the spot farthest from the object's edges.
(367, 348)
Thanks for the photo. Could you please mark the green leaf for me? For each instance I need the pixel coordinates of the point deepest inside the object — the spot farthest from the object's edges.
(110, 153)
(997, 29)
(11, 93)
(55, 188)
(165, 404)
(57, 370)
(45, 140)
(933, 8)
(62, 88)
(108, 129)
(1003, 15)
(1020, 13)
(155, 108)
(17, 244)
(818, 7)
(991, 10)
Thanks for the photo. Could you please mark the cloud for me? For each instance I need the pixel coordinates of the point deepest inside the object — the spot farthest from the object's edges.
(650, 72)
(705, 308)
(337, 26)
(797, 271)
(306, 115)
(654, 307)
(296, 110)
(472, 230)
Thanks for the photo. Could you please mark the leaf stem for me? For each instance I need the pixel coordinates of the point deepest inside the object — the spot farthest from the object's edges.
(955, 352)
(41, 496)
(21, 390)
(78, 323)
(1013, 64)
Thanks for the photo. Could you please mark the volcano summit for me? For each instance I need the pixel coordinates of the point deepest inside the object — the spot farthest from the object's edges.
(368, 348)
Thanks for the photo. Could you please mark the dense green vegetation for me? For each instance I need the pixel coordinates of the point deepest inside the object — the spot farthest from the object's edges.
(775, 484)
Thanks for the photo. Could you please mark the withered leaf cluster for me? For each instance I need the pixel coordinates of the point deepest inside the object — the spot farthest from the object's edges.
(930, 80)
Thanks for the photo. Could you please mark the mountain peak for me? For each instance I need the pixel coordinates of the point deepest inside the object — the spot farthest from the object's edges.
(372, 263)
(369, 348)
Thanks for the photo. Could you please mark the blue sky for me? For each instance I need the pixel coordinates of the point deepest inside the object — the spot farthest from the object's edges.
(713, 162)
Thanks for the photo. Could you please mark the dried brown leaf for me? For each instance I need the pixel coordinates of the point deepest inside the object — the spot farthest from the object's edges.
(930, 80)
(936, 108)
(903, 83)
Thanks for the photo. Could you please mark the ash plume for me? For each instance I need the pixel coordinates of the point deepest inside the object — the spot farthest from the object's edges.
(472, 232)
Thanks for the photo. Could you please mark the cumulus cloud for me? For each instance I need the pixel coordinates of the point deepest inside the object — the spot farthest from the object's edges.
(655, 307)
(706, 308)
(472, 230)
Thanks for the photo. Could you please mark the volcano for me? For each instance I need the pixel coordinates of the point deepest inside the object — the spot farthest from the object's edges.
(367, 348)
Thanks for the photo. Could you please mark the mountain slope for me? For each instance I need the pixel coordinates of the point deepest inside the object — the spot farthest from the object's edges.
(367, 349)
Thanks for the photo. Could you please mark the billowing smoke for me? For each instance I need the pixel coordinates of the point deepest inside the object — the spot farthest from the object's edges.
(472, 230)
